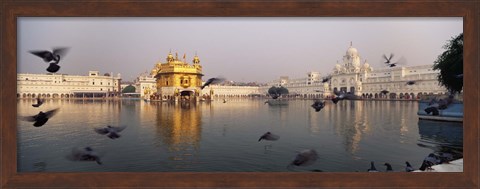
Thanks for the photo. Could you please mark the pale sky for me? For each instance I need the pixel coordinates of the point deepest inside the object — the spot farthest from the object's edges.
(241, 49)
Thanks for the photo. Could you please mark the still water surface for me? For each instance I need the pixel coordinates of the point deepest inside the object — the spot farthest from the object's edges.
(217, 136)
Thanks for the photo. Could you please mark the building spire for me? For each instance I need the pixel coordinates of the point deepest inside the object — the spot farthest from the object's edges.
(350, 43)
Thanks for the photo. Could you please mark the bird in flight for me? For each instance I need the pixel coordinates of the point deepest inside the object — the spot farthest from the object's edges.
(412, 82)
(39, 102)
(85, 154)
(304, 158)
(326, 78)
(110, 131)
(318, 105)
(41, 118)
(390, 63)
(341, 95)
(384, 91)
(51, 57)
(269, 136)
(213, 80)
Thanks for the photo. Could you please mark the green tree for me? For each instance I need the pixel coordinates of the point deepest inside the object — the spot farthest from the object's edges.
(450, 64)
(282, 90)
(128, 89)
(276, 92)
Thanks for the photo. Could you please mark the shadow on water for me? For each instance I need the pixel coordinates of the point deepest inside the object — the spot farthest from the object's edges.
(441, 136)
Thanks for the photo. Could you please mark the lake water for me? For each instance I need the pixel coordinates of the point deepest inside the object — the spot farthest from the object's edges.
(216, 136)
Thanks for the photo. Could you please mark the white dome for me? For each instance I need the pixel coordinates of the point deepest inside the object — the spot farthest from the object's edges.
(366, 65)
(352, 52)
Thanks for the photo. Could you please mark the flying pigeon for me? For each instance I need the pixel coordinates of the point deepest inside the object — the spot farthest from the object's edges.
(85, 154)
(372, 167)
(268, 136)
(53, 57)
(388, 59)
(305, 158)
(213, 80)
(342, 96)
(39, 102)
(389, 167)
(326, 78)
(389, 63)
(110, 131)
(318, 105)
(410, 82)
(384, 92)
(41, 118)
(409, 167)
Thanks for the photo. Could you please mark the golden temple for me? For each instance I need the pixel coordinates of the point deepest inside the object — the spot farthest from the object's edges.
(176, 78)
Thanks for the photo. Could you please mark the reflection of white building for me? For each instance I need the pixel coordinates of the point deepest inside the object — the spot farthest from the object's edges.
(363, 80)
(65, 86)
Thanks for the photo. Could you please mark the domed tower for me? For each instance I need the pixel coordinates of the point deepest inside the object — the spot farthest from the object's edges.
(170, 57)
(196, 63)
(351, 60)
(177, 79)
(196, 60)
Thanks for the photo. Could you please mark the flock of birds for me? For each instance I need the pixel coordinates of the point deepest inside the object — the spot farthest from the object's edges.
(309, 156)
(303, 158)
(78, 154)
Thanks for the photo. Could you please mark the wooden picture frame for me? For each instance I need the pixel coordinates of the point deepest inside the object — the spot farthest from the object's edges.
(11, 10)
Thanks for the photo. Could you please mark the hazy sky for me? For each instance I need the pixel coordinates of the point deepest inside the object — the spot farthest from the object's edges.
(240, 49)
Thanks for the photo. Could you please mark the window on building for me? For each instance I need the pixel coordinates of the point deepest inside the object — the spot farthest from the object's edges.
(93, 83)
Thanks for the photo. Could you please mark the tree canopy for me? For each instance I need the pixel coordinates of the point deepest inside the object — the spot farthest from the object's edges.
(276, 92)
(450, 64)
(129, 89)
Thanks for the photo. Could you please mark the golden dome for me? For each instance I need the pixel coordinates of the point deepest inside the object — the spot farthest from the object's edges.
(169, 57)
(196, 60)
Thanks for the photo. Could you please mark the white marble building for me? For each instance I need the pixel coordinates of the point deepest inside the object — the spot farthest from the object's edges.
(363, 80)
(67, 86)
(146, 85)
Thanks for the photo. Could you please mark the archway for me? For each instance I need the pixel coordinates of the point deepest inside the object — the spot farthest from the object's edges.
(24, 95)
(186, 94)
(393, 95)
